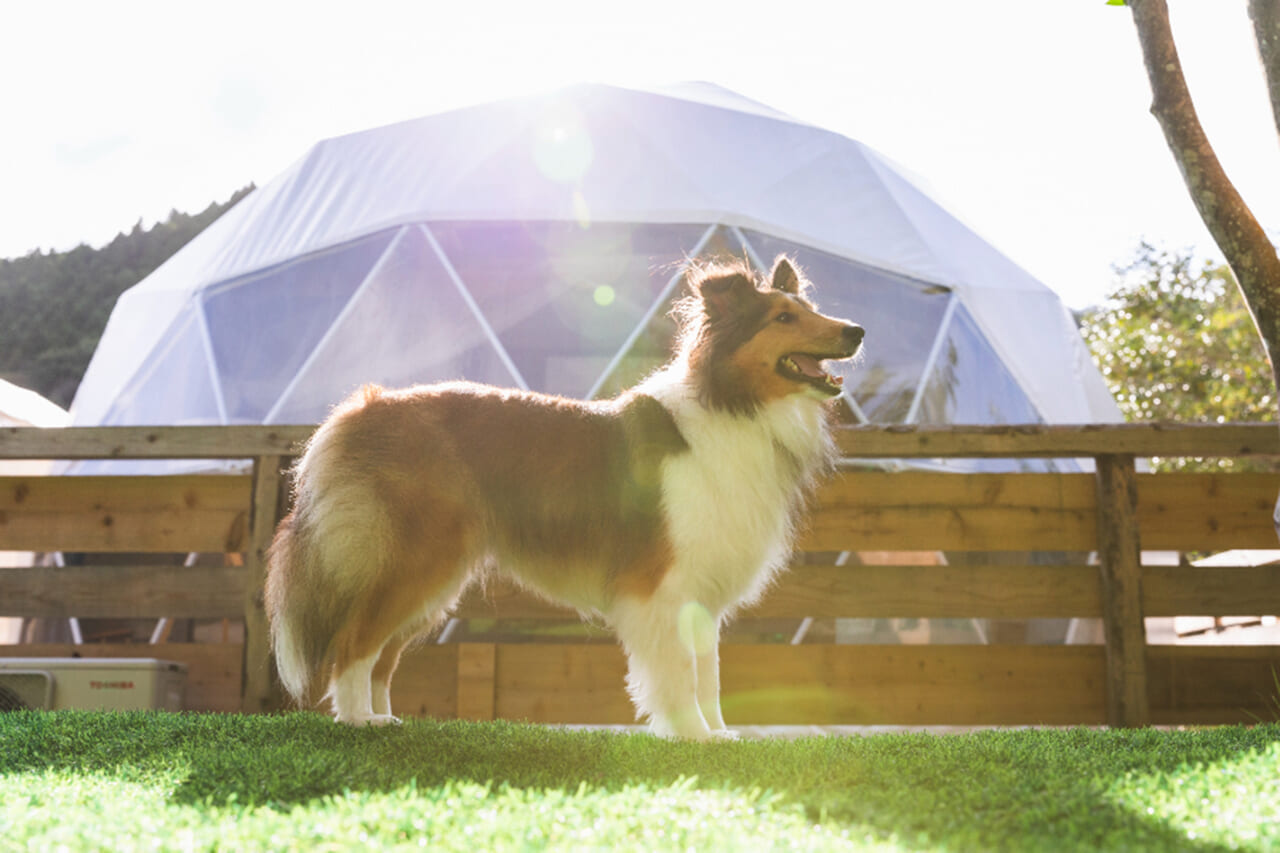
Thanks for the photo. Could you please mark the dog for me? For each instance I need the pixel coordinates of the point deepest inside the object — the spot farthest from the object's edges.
(660, 511)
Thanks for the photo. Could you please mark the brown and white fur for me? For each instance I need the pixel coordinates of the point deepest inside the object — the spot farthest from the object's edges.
(659, 511)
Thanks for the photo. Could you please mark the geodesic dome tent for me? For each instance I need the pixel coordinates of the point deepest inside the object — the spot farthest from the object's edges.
(536, 243)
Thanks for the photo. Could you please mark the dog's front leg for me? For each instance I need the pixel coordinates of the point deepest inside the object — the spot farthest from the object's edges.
(662, 670)
(708, 668)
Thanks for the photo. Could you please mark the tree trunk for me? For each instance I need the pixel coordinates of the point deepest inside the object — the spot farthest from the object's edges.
(1243, 242)
(1265, 15)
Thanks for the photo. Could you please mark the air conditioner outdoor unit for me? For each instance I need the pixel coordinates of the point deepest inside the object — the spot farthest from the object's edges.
(108, 684)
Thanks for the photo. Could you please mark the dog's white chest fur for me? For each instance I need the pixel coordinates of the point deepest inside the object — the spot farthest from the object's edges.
(729, 502)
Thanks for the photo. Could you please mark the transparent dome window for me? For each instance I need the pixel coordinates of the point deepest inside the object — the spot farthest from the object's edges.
(901, 316)
(263, 327)
(173, 386)
(970, 384)
(561, 298)
(407, 323)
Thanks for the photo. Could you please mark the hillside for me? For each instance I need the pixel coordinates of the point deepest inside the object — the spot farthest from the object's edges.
(54, 306)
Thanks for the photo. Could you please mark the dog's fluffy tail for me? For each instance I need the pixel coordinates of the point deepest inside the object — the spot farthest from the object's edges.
(300, 627)
(325, 555)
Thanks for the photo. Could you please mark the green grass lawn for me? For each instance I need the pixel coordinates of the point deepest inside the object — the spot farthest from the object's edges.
(78, 780)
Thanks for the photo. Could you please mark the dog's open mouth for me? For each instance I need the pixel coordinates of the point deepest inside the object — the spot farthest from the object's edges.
(807, 368)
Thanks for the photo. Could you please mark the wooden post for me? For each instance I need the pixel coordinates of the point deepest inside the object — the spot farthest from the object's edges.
(259, 690)
(477, 663)
(1120, 577)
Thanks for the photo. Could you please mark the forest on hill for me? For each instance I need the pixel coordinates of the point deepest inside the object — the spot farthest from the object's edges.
(54, 305)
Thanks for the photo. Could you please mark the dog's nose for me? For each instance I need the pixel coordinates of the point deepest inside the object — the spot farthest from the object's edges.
(852, 334)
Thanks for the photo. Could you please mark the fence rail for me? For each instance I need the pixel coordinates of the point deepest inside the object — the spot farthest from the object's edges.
(1114, 513)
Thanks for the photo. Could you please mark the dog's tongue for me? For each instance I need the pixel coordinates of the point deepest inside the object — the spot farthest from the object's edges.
(808, 365)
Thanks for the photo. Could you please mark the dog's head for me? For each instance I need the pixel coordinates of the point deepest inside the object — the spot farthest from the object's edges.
(749, 342)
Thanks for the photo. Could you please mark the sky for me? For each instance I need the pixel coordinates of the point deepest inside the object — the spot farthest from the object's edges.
(1030, 120)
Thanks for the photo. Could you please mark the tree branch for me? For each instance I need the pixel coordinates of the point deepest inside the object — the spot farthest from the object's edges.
(1237, 232)
(1265, 15)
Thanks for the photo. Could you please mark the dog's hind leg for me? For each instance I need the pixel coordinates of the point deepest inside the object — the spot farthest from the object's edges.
(367, 648)
(380, 678)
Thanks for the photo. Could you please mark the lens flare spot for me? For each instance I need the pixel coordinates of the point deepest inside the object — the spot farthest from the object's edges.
(562, 148)
(604, 295)
(581, 212)
(696, 628)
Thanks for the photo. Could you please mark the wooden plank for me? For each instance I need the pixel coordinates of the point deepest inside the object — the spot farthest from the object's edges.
(912, 685)
(246, 441)
(567, 683)
(1204, 512)
(122, 592)
(954, 592)
(1211, 591)
(426, 682)
(261, 692)
(879, 510)
(1213, 685)
(825, 685)
(1120, 576)
(213, 669)
(207, 513)
(152, 442)
(476, 688)
(994, 592)
(1037, 440)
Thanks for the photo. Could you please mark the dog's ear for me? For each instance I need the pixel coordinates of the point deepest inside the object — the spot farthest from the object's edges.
(784, 276)
(726, 294)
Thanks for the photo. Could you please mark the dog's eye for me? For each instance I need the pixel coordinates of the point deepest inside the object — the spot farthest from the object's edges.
(785, 317)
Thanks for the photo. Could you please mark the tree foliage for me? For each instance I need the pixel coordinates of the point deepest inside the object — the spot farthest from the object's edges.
(54, 306)
(1176, 342)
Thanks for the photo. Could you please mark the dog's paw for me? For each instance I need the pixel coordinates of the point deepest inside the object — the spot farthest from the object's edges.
(361, 720)
(724, 734)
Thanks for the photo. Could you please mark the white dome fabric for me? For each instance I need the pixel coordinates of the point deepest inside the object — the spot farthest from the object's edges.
(536, 242)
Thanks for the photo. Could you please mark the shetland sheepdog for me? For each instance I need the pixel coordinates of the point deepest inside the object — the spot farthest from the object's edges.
(659, 512)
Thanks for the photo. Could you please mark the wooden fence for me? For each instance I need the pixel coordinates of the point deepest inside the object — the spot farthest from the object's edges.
(1114, 513)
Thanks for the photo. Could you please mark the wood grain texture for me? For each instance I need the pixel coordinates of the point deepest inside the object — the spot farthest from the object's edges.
(1037, 440)
(476, 681)
(152, 442)
(1207, 512)
(864, 442)
(262, 692)
(1120, 579)
(122, 592)
(148, 514)
(919, 510)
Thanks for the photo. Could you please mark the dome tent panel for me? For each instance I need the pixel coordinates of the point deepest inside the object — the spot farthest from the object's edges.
(969, 384)
(408, 323)
(563, 299)
(1038, 340)
(727, 156)
(177, 377)
(838, 189)
(139, 324)
(263, 326)
(177, 373)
